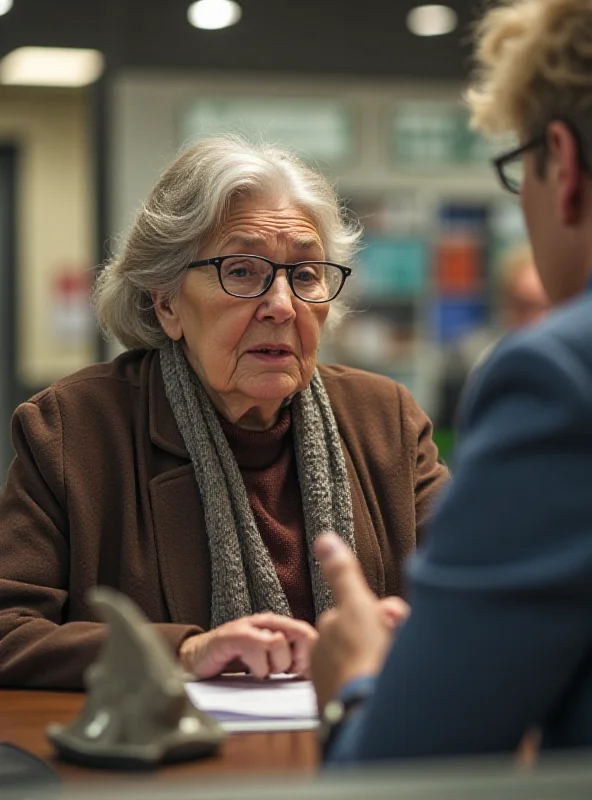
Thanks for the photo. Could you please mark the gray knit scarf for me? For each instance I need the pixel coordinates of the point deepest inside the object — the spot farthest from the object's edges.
(244, 580)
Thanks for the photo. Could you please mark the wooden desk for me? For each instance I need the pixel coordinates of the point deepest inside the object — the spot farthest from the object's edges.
(25, 714)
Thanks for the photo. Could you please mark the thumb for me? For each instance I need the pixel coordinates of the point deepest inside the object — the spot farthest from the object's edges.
(341, 569)
(394, 611)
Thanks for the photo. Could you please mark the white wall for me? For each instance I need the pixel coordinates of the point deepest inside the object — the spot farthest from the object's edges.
(55, 219)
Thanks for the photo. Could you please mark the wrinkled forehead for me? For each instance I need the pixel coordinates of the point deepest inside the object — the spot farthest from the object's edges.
(255, 223)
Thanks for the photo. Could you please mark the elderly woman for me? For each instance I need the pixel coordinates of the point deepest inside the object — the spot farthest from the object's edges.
(194, 472)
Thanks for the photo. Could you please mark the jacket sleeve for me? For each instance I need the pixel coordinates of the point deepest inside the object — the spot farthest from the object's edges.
(500, 622)
(36, 649)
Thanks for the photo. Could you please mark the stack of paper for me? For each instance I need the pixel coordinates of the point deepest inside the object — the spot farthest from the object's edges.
(242, 703)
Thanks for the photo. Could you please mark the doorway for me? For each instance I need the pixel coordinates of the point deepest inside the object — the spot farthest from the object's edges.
(8, 321)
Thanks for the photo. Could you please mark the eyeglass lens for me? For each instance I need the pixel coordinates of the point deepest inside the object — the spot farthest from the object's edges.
(250, 276)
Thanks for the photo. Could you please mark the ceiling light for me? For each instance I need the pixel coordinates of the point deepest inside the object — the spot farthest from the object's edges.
(5, 6)
(51, 66)
(432, 20)
(214, 14)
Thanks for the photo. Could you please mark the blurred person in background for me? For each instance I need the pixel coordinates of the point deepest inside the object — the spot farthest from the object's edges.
(522, 301)
(499, 640)
(195, 471)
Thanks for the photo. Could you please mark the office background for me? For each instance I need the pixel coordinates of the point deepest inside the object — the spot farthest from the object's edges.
(346, 84)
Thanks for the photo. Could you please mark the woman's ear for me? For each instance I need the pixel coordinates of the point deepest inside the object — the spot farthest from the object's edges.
(167, 314)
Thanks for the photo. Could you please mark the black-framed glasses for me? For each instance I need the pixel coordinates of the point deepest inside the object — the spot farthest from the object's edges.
(510, 165)
(247, 276)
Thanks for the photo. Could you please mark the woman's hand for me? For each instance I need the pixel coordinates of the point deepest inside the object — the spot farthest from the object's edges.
(264, 643)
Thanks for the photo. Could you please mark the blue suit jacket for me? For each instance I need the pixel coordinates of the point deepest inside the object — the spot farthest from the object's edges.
(500, 636)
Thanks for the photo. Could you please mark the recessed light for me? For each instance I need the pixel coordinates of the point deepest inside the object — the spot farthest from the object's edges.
(5, 6)
(432, 20)
(214, 14)
(51, 66)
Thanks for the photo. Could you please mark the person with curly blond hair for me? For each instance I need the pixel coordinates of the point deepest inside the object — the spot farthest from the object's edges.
(499, 639)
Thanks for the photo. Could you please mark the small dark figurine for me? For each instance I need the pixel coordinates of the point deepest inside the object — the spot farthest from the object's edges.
(137, 714)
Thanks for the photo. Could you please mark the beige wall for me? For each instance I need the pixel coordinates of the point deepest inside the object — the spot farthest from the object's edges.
(147, 107)
(55, 220)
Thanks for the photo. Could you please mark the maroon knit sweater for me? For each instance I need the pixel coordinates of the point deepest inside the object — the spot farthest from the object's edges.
(267, 463)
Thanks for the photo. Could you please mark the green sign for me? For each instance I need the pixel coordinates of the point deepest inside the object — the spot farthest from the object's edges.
(437, 133)
(315, 128)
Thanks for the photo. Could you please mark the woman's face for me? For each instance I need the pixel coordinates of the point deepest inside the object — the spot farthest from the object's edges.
(226, 339)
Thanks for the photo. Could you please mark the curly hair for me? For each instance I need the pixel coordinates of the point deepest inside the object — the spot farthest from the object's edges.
(533, 65)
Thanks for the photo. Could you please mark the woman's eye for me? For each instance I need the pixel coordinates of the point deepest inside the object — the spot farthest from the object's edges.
(306, 276)
(239, 269)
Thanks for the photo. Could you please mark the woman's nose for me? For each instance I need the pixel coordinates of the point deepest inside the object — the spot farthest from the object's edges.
(278, 301)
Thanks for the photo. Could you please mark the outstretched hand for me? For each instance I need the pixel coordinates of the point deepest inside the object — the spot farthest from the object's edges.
(355, 635)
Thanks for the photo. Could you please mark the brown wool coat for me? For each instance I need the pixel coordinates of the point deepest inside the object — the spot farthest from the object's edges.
(102, 492)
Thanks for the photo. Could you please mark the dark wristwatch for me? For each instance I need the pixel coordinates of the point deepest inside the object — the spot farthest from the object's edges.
(338, 710)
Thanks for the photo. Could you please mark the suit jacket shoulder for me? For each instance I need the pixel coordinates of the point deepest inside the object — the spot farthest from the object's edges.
(555, 354)
(499, 640)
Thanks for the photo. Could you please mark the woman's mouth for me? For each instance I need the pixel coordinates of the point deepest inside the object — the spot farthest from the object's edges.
(271, 355)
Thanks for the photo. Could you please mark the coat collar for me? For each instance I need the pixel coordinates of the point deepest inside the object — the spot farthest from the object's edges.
(163, 427)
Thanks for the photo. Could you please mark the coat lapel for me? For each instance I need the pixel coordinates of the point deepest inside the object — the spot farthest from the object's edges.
(367, 548)
(182, 546)
(178, 519)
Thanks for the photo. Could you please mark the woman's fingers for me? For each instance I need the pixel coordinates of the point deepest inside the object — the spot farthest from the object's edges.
(264, 643)
(279, 654)
(291, 628)
(255, 654)
(261, 651)
(299, 634)
(266, 652)
(301, 652)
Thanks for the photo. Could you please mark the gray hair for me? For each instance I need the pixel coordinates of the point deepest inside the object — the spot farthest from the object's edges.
(189, 205)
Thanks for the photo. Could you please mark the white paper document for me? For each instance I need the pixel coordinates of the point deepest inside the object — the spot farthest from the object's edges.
(242, 703)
